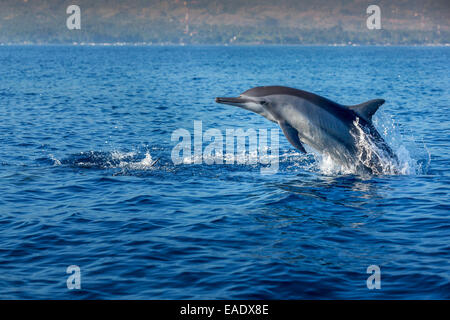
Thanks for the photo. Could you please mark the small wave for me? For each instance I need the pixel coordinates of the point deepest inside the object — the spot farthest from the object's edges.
(111, 160)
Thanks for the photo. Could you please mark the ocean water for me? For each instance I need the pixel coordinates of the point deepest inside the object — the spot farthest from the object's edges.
(87, 176)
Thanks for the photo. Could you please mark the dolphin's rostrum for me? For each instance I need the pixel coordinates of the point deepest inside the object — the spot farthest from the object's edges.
(344, 133)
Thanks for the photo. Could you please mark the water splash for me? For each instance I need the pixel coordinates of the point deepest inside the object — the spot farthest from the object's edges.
(413, 157)
(410, 157)
(112, 160)
(145, 164)
(56, 162)
(373, 156)
(327, 166)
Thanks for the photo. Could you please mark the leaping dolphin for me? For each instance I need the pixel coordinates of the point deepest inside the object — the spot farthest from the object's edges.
(344, 133)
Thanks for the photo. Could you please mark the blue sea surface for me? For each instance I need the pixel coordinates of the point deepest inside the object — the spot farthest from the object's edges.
(87, 176)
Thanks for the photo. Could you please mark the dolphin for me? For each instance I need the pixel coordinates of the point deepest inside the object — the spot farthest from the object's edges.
(344, 133)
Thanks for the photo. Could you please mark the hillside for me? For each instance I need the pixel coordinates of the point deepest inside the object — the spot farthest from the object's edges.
(225, 22)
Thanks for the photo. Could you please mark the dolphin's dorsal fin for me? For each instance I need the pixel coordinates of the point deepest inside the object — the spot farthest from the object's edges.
(367, 109)
(292, 135)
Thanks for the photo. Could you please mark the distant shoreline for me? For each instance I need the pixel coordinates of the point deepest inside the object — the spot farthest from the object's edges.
(143, 44)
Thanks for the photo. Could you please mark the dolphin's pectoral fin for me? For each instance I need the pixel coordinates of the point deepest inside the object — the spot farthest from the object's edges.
(367, 109)
(292, 135)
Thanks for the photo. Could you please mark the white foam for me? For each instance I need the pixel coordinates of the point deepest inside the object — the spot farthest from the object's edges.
(119, 155)
(56, 162)
(405, 164)
(144, 164)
